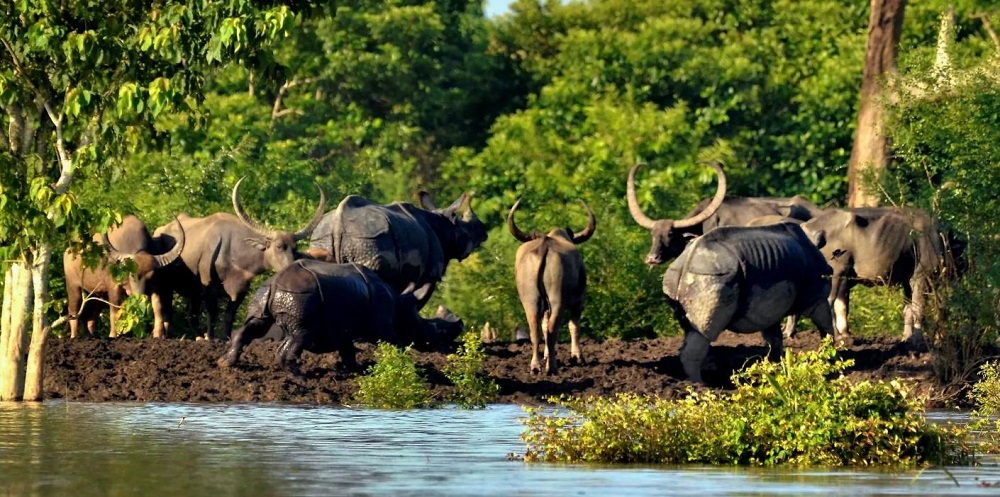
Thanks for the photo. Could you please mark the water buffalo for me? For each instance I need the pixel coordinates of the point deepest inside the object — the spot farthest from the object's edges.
(884, 246)
(324, 307)
(746, 279)
(405, 245)
(671, 236)
(129, 240)
(550, 276)
(223, 253)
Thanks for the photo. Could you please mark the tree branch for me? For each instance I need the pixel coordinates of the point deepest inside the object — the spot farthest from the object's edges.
(989, 29)
(276, 110)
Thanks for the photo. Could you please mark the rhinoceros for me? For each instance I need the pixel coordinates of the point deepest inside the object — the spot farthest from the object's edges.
(324, 307)
(404, 244)
(746, 279)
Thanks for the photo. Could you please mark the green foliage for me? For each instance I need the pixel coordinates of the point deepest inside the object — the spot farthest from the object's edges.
(465, 370)
(801, 411)
(393, 382)
(876, 311)
(985, 415)
(949, 143)
(136, 313)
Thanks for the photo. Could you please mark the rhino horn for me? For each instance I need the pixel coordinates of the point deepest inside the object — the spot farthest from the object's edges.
(589, 230)
(171, 255)
(633, 203)
(514, 230)
(720, 195)
(247, 220)
(304, 233)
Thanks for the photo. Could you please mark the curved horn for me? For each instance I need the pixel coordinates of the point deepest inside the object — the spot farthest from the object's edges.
(720, 195)
(320, 209)
(242, 215)
(175, 252)
(514, 230)
(589, 230)
(633, 203)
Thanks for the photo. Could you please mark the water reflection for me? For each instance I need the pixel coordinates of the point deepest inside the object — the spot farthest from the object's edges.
(60, 448)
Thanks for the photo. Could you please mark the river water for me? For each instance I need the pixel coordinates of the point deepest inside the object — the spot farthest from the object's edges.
(249, 450)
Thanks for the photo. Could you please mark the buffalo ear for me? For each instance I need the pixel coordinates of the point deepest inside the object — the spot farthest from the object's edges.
(688, 235)
(421, 293)
(818, 238)
(837, 254)
(461, 203)
(258, 244)
(426, 201)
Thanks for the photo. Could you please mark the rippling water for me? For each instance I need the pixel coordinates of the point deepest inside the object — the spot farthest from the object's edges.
(79, 449)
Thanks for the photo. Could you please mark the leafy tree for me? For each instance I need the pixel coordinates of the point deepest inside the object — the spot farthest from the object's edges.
(82, 86)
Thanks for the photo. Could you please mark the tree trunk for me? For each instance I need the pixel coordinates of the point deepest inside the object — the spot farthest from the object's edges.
(869, 156)
(34, 376)
(13, 338)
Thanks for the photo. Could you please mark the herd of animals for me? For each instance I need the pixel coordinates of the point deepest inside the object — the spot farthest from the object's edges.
(739, 264)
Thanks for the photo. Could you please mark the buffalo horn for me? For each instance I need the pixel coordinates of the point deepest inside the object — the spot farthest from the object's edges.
(720, 195)
(514, 230)
(107, 243)
(175, 252)
(242, 215)
(303, 233)
(633, 203)
(589, 230)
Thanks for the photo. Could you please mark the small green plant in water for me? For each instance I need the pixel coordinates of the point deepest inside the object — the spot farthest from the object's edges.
(393, 382)
(985, 396)
(465, 370)
(801, 411)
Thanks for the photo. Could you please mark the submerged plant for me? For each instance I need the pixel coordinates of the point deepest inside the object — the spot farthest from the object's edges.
(801, 411)
(465, 370)
(393, 382)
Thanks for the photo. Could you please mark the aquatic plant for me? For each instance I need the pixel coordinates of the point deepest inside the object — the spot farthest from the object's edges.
(473, 388)
(800, 411)
(393, 382)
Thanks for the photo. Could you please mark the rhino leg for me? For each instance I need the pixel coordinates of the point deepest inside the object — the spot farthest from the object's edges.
(772, 335)
(693, 354)
(254, 328)
(348, 355)
(290, 350)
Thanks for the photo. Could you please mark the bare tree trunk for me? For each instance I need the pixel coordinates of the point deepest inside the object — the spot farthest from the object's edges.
(34, 376)
(13, 338)
(942, 61)
(869, 156)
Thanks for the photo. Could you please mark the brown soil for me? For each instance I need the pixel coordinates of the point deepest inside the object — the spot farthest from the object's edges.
(185, 370)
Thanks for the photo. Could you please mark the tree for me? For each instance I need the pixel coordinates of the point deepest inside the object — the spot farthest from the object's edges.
(81, 86)
(870, 153)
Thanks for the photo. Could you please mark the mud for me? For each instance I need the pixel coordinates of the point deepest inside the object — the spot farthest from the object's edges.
(186, 371)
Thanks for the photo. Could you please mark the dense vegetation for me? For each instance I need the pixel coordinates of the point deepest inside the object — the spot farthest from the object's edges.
(552, 102)
(801, 411)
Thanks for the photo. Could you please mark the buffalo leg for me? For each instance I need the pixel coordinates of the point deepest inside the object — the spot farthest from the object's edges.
(822, 316)
(790, 322)
(841, 308)
(576, 353)
(532, 303)
(115, 299)
(162, 303)
(253, 329)
(212, 308)
(915, 298)
(74, 300)
(772, 335)
(551, 337)
(231, 307)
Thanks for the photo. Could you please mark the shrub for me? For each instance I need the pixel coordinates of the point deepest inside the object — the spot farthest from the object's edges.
(985, 397)
(465, 369)
(393, 381)
(780, 413)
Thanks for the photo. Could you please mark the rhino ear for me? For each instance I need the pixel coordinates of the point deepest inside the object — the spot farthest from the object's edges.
(257, 243)
(426, 201)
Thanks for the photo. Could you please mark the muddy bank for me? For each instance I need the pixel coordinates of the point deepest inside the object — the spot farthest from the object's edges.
(185, 371)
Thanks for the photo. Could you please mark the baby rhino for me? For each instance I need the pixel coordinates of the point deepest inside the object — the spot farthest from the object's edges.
(324, 307)
(746, 279)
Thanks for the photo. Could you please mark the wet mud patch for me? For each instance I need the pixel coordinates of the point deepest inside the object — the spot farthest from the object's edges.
(186, 371)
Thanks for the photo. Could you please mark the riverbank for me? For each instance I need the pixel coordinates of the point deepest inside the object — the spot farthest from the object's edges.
(185, 371)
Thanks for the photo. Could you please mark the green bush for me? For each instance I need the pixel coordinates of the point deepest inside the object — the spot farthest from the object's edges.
(801, 411)
(393, 382)
(465, 370)
(985, 397)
